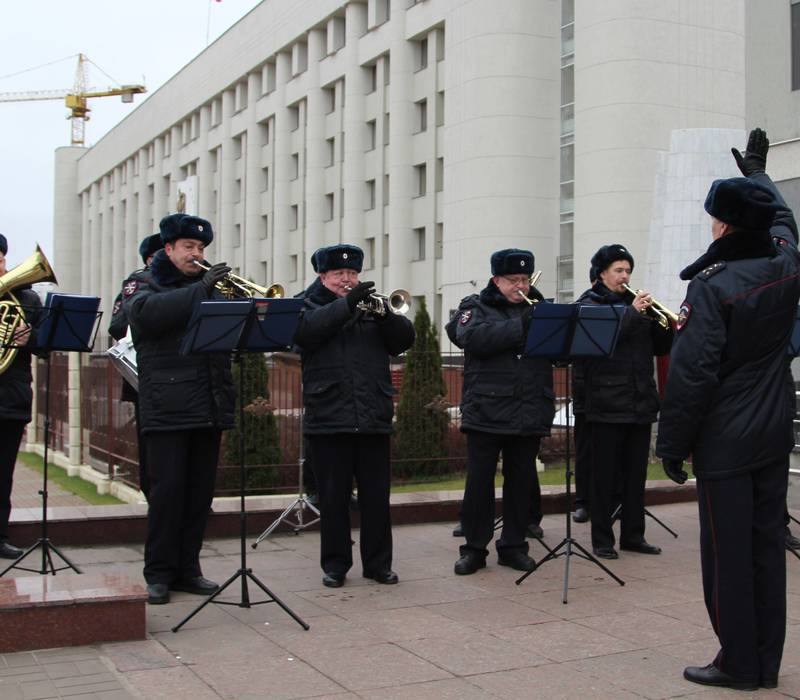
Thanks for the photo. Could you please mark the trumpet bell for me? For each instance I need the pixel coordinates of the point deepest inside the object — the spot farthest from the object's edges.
(399, 301)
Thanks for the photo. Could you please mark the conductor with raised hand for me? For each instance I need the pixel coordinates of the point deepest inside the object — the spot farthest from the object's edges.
(345, 345)
(729, 404)
(185, 402)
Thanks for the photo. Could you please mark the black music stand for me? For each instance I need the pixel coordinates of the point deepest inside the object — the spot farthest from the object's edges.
(68, 323)
(240, 326)
(562, 333)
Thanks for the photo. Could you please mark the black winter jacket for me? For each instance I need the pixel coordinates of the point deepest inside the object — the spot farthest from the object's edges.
(729, 399)
(347, 387)
(622, 388)
(16, 394)
(176, 392)
(503, 392)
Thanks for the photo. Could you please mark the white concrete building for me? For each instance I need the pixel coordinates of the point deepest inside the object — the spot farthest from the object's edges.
(428, 132)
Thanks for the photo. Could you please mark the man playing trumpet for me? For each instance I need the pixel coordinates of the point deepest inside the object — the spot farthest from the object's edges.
(345, 344)
(185, 402)
(507, 406)
(620, 404)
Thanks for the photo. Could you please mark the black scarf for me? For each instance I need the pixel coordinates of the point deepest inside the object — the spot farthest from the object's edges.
(166, 274)
(738, 245)
(600, 294)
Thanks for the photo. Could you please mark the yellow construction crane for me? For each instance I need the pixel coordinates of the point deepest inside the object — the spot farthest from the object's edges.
(75, 98)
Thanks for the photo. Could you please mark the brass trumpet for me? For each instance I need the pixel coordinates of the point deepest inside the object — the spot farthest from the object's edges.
(232, 286)
(661, 314)
(534, 279)
(397, 301)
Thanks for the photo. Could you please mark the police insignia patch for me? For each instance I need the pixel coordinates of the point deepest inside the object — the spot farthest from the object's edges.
(465, 317)
(130, 287)
(117, 306)
(683, 315)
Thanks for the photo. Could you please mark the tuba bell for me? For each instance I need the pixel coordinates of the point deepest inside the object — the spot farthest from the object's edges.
(35, 268)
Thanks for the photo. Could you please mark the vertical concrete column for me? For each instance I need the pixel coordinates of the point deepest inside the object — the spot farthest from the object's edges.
(315, 156)
(251, 197)
(74, 408)
(95, 252)
(645, 73)
(67, 220)
(501, 139)
(115, 263)
(159, 195)
(82, 286)
(223, 237)
(355, 89)
(281, 166)
(144, 213)
(132, 232)
(205, 178)
(401, 175)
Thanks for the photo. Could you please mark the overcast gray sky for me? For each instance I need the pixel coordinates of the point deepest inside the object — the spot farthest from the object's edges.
(132, 41)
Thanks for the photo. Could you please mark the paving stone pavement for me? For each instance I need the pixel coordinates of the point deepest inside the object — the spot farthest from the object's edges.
(435, 635)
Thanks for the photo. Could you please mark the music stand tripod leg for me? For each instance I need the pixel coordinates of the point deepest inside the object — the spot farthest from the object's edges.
(664, 525)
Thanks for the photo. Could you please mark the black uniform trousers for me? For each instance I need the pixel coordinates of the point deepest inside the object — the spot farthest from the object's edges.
(182, 467)
(619, 453)
(743, 560)
(583, 462)
(11, 432)
(338, 459)
(477, 510)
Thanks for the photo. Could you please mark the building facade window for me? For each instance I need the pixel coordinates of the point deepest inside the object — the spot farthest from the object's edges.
(421, 116)
(421, 54)
(418, 243)
(372, 129)
(420, 180)
(369, 195)
(795, 22)
(328, 214)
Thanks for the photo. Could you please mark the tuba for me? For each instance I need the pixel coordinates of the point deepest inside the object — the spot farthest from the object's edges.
(233, 286)
(35, 268)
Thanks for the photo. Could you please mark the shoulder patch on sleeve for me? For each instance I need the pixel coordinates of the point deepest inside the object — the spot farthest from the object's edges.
(684, 314)
(130, 287)
(712, 270)
(117, 307)
(465, 317)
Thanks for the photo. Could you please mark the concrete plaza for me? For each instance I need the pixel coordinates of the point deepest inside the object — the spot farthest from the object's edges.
(435, 635)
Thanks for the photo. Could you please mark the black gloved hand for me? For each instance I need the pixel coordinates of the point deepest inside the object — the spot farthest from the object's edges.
(527, 314)
(673, 468)
(214, 274)
(754, 159)
(358, 293)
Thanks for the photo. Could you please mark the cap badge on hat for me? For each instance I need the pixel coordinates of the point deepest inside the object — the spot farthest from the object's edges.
(522, 263)
(344, 256)
(199, 227)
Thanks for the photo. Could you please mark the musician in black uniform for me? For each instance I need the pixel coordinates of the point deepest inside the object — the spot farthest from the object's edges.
(729, 405)
(185, 402)
(118, 329)
(347, 394)
(507, 406)
(16, 397)
(620, 404)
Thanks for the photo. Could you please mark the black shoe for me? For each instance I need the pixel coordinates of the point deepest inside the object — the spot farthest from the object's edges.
(157, 593)
(516, 560)
(768, 683)
(9, 551)
(197, 585)
(605, 552)
(711, 675)
(792, 542)
(581, 515)
(388, 577)
(469, 563)
(332, 579)
(458, 531)
(641, 547)
(312, 499)
(535, 531)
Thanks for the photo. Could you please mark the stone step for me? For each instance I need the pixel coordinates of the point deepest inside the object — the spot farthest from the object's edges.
(68, 609)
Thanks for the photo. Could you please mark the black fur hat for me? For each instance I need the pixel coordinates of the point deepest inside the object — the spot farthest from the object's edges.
(149, 246)
(512, 261)
(3, 244)
(605, 256)
(175, 226)
(741, 203)
(337, 257)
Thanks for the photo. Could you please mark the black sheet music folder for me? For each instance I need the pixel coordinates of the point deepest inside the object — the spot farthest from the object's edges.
(564, 331)
(69, 322)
